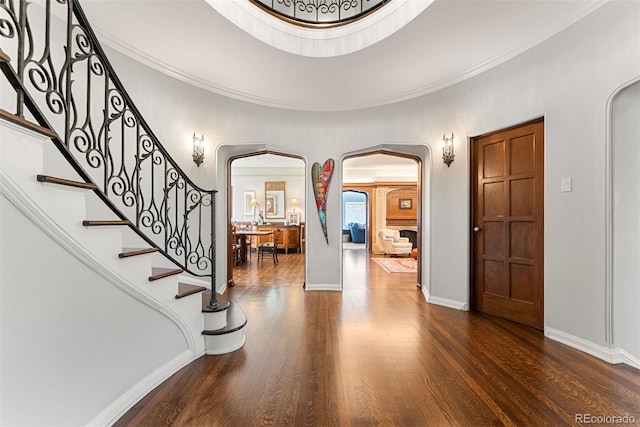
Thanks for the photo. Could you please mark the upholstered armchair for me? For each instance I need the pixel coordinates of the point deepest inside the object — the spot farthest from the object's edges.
(393, 244)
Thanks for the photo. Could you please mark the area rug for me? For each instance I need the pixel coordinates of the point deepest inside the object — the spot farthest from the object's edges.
(398, 265)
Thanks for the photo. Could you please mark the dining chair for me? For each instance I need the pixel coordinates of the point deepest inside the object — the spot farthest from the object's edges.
(235, 246)
(270, 247)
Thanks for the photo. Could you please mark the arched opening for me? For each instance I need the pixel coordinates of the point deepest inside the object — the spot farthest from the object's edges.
(265, 199)
(355, 219)
(392, 183)
(624, 227)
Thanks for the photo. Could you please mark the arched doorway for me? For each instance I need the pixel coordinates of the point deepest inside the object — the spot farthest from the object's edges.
(378, 174)
(265, 197)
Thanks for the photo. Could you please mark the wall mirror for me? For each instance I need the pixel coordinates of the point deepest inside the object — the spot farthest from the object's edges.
(274, 199)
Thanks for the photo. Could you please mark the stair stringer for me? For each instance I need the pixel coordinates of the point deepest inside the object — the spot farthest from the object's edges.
(97, 249)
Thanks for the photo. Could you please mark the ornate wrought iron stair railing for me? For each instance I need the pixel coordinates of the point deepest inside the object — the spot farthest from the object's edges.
(63, 79)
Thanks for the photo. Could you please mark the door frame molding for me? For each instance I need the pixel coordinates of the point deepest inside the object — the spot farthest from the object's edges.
(229, 214)
(473, 180)
(420, 185)
(609, 333)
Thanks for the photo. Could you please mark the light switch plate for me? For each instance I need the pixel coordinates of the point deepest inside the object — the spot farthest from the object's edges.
(565, 185)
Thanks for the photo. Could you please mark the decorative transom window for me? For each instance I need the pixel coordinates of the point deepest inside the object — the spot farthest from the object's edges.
(317, 28)
(320, 13)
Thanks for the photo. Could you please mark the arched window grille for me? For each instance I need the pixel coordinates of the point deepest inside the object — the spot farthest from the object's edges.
(319, 13)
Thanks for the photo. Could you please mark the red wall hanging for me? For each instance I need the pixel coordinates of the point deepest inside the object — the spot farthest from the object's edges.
(321, 176)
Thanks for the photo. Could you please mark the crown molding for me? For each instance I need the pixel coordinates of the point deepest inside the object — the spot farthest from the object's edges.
(543, 34)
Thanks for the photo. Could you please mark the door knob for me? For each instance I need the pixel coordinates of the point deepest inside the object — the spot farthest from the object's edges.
(476, 228)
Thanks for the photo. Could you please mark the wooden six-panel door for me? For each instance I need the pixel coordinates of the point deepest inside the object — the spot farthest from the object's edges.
(508, 223)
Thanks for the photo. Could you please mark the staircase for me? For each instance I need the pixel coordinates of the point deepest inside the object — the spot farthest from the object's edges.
(93, 188)
(66, 202)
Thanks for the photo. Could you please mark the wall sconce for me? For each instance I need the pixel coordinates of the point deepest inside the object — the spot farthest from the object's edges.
(198, 149)
(447, 150)
(294, 203)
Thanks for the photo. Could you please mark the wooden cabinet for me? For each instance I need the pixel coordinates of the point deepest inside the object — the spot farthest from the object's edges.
(289, 236)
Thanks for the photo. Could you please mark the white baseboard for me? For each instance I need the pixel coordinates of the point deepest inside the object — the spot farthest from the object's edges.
(122, 404)
(596, 350)
(609, 355)
(323, 287)
(221, 289)
(444, 302)
(621, 356)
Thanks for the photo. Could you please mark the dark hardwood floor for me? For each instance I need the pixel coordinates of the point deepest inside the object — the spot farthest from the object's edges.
(377, 354)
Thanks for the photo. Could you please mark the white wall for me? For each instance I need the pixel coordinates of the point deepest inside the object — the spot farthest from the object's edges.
(566, 79)
(72, 343)
(626, 220)
(253, 179)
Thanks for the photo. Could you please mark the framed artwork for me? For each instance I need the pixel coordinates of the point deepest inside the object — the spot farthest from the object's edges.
(294, 219)
(247, 209)
(405, 204)
(271, 206)
(274, 198)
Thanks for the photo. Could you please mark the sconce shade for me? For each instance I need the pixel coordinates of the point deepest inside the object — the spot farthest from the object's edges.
(198, 149)
(447, 149)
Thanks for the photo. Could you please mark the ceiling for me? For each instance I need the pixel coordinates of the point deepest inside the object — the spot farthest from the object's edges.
(451, 40)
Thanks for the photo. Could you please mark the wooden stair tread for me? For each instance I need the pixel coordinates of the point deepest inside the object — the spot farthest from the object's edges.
(67, 182)
(236, 318)
(129, 252)
(21, 121)
(160, 273)
(105, 222)
(4, 57)
(185, 289)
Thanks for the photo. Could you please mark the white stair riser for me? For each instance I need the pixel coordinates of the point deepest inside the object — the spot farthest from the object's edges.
(103, 242)
(96, 209)
(222, 344)
(194, 280)
(136, 266)
(215, 321)
(162, 289)
(55, 164)
(160, 260)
